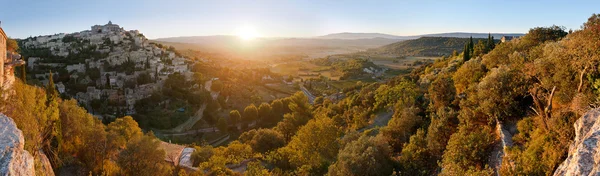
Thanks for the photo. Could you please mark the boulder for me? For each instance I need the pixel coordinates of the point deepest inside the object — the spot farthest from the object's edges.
(14, 159)
(584, 153)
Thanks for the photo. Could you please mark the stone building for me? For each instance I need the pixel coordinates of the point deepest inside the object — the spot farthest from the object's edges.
(110, 27)
(3, 54)
(507, 38)
(8, 60)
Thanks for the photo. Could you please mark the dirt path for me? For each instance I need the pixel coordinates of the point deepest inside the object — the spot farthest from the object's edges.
(505, 133)
(191, 121)
(380, 120)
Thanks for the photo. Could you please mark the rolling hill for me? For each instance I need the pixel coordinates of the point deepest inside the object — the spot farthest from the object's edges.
(424, 46)
(353, 36)
(474, 35)
(350, 36)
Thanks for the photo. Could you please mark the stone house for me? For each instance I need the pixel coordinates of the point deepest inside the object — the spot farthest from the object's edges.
(507, 38)
(60, 87)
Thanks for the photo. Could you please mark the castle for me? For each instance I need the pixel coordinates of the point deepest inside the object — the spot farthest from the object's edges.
(110, 27)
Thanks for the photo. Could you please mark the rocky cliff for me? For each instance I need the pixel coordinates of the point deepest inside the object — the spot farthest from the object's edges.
(584, 152)
(14, 160)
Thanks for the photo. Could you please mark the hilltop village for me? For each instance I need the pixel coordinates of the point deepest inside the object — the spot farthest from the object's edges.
(106, 62)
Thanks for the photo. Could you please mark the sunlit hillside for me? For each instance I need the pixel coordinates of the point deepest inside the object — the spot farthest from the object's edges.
(128, 88)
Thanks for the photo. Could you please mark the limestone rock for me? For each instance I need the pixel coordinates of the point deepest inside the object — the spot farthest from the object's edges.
(584, 153)
(44, 166)
(14, 159)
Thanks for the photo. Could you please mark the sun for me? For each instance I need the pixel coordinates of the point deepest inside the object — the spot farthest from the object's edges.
(247, 33)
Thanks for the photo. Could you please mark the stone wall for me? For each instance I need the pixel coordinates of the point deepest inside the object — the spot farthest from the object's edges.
(3, 38)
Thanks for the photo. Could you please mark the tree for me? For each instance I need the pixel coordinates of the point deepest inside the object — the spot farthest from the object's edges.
(318, 101)
(415, 159)
(287, 127)
(365, 156)
(147, 64)
(471, 46)
(264, 113)
(93, 154)
(79, 122)
(466, 53)
(107, 76)
(315, 145)
(442, 91)
(277, 108)
(51, 88)
(300, 108)
(498, 91)
(123, 130)
(256, 168)
(404, 93)
(468, 75)
(143, 156)
(491, 44)
(23, 73)
(443, 125)
(480, 49)
(404, 122)
(143, 78)
(201, 154)
(454, 53)
(467, 151)
(222, 125)
(250, 113)
(234, 117)
(12, 45)
(266, 140)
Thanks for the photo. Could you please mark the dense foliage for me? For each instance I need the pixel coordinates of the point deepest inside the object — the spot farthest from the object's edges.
(71, 138)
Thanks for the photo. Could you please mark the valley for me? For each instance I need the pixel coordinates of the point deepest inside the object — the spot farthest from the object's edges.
(279, 88)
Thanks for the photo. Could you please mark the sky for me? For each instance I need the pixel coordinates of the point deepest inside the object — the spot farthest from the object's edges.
(291, 18)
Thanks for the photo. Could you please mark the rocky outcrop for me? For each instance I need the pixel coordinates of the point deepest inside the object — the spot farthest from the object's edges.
(584, 152)
(43, 165)
(14, 159)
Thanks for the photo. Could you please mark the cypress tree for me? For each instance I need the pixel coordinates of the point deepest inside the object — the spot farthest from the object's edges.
(51, 89)
(488, 46)
(471, 46)
(107, 80)
(492, 44)
(466, 53)
(147, 63)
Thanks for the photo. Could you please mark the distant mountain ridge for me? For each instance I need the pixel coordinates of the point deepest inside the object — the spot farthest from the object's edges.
(350, 36)
(337, 36)
(474, 35)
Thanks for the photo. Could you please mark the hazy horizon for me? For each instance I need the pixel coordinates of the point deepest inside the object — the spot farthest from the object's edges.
(290, 19)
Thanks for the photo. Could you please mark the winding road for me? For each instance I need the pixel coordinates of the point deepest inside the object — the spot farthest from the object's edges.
(311, 97)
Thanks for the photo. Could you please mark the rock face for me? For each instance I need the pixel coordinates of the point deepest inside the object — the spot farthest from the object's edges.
(14, 160)
(584, 152)
(44, 164)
